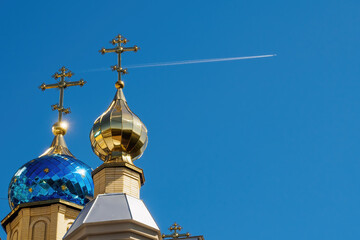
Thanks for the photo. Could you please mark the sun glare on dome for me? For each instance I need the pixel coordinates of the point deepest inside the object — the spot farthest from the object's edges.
(64, 125)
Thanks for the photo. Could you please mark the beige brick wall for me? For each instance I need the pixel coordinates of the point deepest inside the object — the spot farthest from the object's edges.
(117, 180)
(41, 223)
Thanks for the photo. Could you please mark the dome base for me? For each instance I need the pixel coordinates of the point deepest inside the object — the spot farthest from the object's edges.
(118, 177)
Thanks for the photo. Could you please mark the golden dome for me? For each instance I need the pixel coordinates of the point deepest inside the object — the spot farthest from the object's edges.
(118, 135)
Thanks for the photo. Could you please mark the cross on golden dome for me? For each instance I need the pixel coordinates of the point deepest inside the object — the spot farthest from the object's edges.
(175, 228)
(61, 85)
(119, 41)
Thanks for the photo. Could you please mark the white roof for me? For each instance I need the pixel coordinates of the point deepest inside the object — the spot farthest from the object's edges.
(114, 206)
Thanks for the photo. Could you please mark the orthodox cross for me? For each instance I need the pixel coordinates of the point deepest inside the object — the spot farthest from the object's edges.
(119, 41)
(61, 85)
(176, 227)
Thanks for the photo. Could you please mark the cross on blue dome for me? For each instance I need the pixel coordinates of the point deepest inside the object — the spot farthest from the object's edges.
(56, 174)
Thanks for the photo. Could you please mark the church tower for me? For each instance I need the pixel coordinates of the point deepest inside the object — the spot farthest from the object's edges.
(118, 137)
(47, 193)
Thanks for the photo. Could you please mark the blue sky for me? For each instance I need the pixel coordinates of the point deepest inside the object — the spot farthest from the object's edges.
(253, 149)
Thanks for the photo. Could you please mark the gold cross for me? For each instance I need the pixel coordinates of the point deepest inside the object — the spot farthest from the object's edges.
(62, 84)
(176, 227)
(119, 41)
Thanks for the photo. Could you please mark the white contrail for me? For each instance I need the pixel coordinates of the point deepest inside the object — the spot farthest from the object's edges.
(198, 61)
(161, 64)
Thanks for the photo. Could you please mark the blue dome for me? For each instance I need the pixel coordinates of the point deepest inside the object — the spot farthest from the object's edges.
(51, 177)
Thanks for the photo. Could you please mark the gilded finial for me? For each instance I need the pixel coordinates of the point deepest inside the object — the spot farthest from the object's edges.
(58, 146)
(119, 41)
(176, 228)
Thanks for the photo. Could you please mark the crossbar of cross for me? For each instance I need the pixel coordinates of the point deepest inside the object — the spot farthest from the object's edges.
(175, 228)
